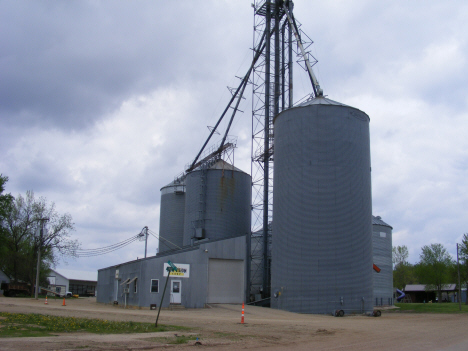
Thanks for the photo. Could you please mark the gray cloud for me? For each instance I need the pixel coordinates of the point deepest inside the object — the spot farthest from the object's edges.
(103, 103)
(68, 64)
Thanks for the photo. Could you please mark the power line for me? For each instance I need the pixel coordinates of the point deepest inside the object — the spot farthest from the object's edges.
(110, 248)
(106, 249)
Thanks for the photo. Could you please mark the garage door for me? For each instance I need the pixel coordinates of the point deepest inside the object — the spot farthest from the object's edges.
(225, 281)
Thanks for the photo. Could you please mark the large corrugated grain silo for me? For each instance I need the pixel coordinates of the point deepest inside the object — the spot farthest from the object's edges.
(382, 252)
(217, 203)
(322, 229)
(171, 218)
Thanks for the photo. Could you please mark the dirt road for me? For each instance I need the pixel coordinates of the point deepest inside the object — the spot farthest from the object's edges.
(219, 328)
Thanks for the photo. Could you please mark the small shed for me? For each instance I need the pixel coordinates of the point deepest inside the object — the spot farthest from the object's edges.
(418, 293)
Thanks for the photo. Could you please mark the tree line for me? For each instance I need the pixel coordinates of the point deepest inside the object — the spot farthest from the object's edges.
(21, 238)
(436, 267)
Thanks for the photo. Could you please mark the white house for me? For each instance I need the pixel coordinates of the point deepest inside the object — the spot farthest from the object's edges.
(58, 283)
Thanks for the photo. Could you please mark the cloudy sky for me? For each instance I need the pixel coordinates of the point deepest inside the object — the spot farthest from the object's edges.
(103, 102)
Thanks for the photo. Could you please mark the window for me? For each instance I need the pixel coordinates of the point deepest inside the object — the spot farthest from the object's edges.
(154, 285)
(135, 286)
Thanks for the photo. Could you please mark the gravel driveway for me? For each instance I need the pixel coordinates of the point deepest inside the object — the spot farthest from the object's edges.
(219, 328)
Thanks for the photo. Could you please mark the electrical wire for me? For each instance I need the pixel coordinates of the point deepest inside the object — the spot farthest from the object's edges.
(104, 250)
(79, 253)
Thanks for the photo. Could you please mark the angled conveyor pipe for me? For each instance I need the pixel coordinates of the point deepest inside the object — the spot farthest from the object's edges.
(315, 84)
(233, 114)
(261, 46)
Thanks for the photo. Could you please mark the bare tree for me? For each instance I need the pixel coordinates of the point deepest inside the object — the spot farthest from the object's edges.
(399, 255)
(23, 240)
(59, 228)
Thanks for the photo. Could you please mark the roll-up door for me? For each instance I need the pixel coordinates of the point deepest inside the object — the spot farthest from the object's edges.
(225, 281)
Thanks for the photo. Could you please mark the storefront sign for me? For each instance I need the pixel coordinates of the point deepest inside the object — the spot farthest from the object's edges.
(183, 270)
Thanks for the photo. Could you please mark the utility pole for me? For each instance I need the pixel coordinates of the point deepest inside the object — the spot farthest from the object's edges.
(41, 232)
(459, 287)
(146, 239)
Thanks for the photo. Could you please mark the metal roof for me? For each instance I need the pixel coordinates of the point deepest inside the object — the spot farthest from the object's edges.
(174, 183)
(320, 100)
(221, 164)
(378, 221)
(422, 287)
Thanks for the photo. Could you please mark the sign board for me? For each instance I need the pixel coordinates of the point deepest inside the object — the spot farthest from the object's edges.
(183, 270)
(174, 268)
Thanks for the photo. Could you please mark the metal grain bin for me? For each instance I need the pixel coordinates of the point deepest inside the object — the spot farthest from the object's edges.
(322, 217)
(382, 252)
(171, 218)
(217, 203)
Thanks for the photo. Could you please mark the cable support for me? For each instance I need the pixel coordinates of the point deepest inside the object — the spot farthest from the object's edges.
(315, 85)
(157, 236)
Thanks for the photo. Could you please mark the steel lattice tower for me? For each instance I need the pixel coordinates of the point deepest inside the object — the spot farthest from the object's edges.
(272, 92)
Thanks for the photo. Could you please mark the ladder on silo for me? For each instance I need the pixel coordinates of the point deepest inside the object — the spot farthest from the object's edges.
(202, 195)
(200, 222)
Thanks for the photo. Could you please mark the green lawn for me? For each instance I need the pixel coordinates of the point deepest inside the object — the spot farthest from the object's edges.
(448, 307)
(22, 325)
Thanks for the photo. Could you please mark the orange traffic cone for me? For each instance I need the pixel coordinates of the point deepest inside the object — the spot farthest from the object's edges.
(242, 319)
(45, 303)
(63, 302)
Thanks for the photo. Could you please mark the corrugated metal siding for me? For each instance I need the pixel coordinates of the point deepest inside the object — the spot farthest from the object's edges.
(227, 204)
(194, 289)
(382, 253)
(171, 219)
(322, 228)
(105, 285)
(256, 267)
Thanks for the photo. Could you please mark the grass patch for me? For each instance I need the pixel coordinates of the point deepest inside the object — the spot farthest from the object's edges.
(225, 335)
(22, 325)
(177, 339)
(448, 307)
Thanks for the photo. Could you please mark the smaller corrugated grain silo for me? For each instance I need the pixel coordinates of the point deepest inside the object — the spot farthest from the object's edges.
(382, 254)
(171, 218)
(217, 203)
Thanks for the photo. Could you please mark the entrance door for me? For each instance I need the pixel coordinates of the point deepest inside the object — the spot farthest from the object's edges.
(176, 291)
